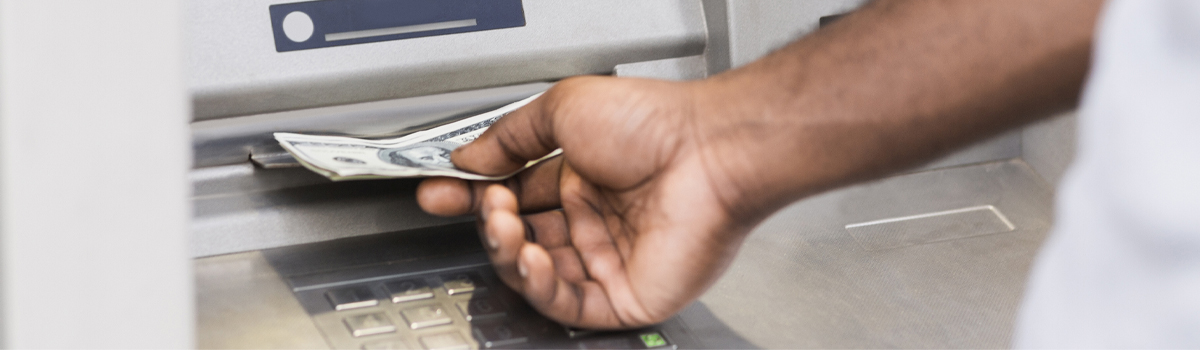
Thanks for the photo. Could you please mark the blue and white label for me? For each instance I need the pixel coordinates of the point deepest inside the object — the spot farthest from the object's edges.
(325, 23)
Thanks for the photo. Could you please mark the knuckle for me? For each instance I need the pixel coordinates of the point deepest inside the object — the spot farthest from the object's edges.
(512, 145)
(572, 192)
(574, 83)
(574, 92)
(654, 317)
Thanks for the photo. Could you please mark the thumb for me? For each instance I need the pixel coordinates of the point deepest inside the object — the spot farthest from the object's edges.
(523, 135)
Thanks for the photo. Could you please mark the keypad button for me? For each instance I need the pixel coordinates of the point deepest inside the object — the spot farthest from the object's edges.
(426, 316)
(395, 344)
(653, 340)
(573, 332)
(351, 298)
(463, 282)
(498, 334)
(408, 290)
(481, 309)
(445, 341)
(369, 324)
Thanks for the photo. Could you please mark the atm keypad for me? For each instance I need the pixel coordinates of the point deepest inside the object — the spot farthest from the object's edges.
(448, 311)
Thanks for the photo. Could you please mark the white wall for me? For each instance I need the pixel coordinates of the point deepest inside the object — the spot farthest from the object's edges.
(93, 190)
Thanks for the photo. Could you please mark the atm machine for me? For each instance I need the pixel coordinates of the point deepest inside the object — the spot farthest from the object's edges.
(283, 258)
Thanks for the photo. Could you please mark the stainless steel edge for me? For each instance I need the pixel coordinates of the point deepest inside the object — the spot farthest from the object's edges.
(243, 221)
(242, 303)
(716, 20)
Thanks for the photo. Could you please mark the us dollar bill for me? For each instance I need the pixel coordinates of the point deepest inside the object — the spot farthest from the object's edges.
(420, 154)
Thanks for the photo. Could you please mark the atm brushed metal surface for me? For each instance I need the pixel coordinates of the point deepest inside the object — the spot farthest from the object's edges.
(801, 281)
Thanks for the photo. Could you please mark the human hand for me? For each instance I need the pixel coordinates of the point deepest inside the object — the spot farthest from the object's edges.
(642, 230)
(660, 181)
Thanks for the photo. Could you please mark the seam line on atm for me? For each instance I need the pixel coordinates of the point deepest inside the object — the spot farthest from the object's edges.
(380, 278)
(940, 213)
(425, 27)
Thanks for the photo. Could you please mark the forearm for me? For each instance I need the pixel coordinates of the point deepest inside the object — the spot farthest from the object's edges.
(894, 84)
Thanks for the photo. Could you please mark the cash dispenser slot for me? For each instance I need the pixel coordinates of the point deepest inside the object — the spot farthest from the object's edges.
(248, 193)
(240, 139)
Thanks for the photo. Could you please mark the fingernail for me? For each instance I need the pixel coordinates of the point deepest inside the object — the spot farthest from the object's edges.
(492, 242)
(521, 269)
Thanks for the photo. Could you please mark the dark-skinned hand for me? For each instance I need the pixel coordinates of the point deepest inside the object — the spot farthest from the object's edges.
(625, 229)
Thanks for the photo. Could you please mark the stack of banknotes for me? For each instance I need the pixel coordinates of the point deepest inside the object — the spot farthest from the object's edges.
(420, 154)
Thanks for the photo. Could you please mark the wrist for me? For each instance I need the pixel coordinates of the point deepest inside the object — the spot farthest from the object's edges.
(750, 145)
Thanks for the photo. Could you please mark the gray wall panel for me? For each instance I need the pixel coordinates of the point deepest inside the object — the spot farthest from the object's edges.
(758, 27)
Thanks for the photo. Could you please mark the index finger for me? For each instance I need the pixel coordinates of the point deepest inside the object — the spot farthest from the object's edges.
(523, 135)
(536, 189)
